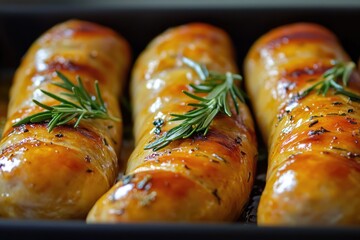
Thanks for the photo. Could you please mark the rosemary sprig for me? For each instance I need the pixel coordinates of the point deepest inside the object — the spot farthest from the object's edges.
(83, 106)
(218, 87)
(340, 71)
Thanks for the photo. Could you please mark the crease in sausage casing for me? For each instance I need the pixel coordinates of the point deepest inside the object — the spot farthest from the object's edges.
(313, 172)
(201, 178)
(60, 175)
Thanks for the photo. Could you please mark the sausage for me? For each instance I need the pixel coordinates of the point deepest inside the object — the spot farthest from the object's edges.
(60, 175)
(313, 175)
(201, 178)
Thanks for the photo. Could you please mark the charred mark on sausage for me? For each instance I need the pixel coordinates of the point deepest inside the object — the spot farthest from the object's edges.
(59, 135)
(351, 120)
(336, 103)
(105, 142)
(238, 140)
(336, 114)
(222, 139)
(352, 155)
(313, 123)
(214, 161)
(318, 131)
(216, 195)
(339, 149)
(316, 116)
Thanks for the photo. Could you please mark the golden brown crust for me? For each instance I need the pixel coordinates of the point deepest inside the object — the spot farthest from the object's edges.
(313, 174)
(196, 179)
(61, 174)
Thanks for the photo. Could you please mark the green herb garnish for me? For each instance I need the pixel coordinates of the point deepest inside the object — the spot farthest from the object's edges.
(85, 106)
(218, 87)
(340, 71)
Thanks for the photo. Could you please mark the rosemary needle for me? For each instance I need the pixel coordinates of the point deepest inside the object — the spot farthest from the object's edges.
(218, 87)
(340, 71)
(83, 106)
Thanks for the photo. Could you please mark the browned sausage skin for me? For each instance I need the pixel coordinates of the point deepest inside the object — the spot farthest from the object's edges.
(196, 179)
(313, 173)
(61, 174)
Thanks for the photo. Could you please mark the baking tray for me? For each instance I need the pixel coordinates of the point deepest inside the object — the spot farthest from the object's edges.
(20, 25)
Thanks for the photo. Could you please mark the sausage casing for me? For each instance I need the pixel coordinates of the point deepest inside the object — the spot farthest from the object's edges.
(61, 174)
(313, 172)
(195, 179)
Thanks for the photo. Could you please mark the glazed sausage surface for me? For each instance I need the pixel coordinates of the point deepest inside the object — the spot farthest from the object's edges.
(60, 175)
(313, 172)
(196, 179)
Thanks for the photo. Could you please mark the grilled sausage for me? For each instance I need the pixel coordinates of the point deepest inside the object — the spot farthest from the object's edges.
(60, 175)
(195, 179)
(313, 174)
